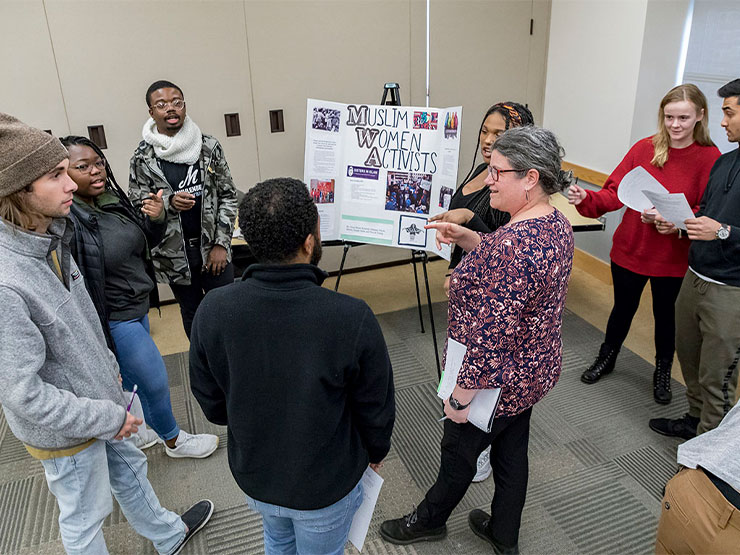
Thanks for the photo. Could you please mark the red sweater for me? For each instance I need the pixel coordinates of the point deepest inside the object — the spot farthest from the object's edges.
(638, 246)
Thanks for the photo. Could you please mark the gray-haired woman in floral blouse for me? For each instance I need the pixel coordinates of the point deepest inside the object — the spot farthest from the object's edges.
(506, 306)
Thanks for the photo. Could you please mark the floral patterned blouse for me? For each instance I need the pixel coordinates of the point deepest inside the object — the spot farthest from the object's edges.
(506, 305)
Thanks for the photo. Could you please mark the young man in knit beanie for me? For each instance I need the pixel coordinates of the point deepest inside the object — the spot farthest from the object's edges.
(199, 199)
(59, 383)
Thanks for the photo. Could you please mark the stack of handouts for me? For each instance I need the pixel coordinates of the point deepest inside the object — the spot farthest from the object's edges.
(641, 191)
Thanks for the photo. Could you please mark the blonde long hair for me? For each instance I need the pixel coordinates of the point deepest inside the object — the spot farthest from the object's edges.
(14, 209)
(661, 140)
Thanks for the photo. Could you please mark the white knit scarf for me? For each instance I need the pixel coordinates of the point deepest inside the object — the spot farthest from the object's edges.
(183, 148)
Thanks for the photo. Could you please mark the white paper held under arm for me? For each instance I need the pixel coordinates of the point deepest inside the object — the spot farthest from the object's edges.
(483, 406)
(672, 206)
(371, 484)
(631, 189)
(455, 354)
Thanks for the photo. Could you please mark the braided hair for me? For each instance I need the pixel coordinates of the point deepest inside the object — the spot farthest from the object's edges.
(110, 182)
(514, 114)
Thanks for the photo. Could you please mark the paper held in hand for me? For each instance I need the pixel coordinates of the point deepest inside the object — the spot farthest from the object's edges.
(483, 406)
(371, 484)
(631, 189)
(672, 206)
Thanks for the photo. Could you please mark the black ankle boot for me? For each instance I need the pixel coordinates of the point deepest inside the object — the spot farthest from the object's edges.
(603, 364)
(662, 381)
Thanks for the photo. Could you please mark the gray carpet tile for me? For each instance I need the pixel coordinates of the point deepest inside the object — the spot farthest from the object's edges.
(407, 370)
(596, 470)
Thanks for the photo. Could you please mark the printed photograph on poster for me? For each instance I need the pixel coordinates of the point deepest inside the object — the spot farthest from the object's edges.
(451, 125)
(411, 231)
(326, 119)
(425, 120)
(408, 192)
(322, 192)
(445, 196)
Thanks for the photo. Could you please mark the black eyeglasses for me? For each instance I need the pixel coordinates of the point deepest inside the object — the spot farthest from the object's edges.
(495, 173)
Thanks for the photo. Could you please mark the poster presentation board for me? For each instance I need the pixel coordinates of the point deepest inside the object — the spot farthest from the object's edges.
(378, 173)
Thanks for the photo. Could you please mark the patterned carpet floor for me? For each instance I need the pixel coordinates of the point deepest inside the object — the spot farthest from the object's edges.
(596, 469)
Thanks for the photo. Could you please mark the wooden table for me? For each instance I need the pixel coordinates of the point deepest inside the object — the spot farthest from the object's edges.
(579, 223)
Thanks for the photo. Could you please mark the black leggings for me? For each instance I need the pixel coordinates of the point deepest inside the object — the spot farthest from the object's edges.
(461, 445)
(628, 288)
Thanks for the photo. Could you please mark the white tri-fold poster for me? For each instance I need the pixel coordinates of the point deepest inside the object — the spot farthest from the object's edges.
(378, 173)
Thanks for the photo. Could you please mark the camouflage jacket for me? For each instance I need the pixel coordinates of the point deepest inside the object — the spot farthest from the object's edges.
(218, 207)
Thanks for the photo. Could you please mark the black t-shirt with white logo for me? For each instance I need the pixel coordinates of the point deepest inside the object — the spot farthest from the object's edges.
(188, 179)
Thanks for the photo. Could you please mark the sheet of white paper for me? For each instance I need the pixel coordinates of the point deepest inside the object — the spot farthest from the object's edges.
(672, 206)
(483, 406)
(371, 484)
(630, 191)
(455, 356)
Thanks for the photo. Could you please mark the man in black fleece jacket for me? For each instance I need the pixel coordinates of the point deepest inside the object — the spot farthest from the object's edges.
(708, 306)
(299, 374)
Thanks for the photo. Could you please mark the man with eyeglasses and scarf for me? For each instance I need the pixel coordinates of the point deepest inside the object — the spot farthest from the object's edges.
(199, 198)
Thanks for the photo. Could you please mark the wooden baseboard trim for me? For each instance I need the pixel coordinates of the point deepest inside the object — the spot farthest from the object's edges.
(592, 266)
(586, 174)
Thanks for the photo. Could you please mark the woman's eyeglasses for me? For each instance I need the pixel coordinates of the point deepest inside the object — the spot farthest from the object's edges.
(87, 168)
(495, 173)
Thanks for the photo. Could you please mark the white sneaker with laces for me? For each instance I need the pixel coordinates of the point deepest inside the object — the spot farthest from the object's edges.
(145, 438)
(198, 446)
(484, 466)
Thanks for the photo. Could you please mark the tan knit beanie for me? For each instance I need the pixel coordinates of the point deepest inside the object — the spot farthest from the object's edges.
(26, 153)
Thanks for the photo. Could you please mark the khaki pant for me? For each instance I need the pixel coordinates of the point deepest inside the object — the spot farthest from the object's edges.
(708, 347)
(696, 517)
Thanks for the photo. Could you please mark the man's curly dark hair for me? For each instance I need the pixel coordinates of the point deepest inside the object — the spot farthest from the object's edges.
(275, 217)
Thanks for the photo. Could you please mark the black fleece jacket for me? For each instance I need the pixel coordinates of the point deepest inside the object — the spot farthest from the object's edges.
(720, 259)
(302, 378)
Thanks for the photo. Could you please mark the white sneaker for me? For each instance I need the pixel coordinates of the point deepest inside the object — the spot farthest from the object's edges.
(484, 466)
(145, 438)
(197, 446)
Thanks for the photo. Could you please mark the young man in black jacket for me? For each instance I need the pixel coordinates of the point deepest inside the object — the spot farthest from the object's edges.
(299, 374)
(708, 306)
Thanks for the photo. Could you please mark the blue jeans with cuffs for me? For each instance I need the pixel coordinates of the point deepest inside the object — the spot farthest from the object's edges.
(82, 484)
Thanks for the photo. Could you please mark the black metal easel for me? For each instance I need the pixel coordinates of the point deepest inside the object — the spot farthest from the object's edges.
(416, 255)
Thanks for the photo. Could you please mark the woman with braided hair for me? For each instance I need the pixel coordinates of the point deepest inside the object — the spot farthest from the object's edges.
(111, 248)
(470, 205)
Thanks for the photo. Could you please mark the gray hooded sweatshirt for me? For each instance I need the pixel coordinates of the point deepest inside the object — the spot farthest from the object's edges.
(58, 379)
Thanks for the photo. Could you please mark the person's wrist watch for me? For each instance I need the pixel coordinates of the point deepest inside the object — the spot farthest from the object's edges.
(723, 232)
(457, 405)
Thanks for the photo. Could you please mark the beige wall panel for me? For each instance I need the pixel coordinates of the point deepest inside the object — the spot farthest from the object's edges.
(593, 64)
(108, 52)
(330, 50)
(30, 88)
(482, 53)
(661, 52)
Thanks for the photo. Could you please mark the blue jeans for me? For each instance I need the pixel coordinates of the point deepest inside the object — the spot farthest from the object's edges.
(141, 364)
(319, 532)
(82, 485)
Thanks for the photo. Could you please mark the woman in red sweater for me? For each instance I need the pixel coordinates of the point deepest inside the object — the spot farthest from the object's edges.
(680, 156)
